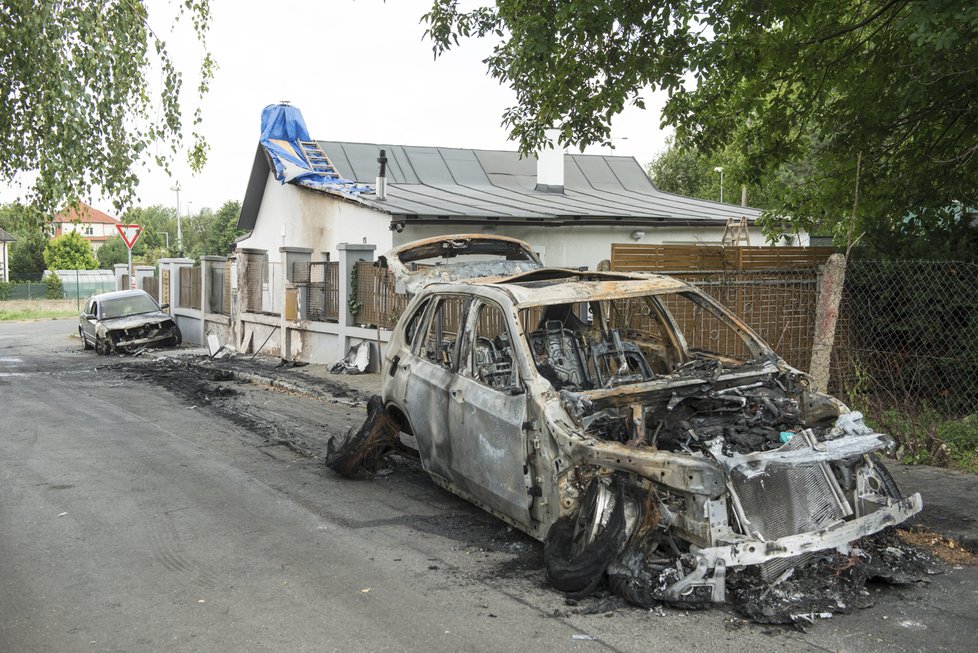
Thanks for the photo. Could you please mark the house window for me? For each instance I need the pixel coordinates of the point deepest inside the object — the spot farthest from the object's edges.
(89, 230)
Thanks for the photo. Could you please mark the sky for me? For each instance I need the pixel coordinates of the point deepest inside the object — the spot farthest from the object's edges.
(358, 70)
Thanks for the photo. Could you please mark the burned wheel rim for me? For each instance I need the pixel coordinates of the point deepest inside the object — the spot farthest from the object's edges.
(102, 347)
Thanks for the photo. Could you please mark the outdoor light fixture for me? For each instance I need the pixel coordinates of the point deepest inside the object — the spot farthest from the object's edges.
(638, 235)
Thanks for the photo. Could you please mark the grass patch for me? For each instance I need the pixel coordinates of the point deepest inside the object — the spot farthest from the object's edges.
(928, 438)
(38, 309)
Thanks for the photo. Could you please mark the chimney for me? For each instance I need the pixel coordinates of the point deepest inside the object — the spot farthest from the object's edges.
(381, 190)
(550, 165)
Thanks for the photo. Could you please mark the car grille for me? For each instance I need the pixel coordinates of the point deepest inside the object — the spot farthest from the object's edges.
(789, 501)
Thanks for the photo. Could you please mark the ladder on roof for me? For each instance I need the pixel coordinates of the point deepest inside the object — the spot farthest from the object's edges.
(317, 159)
(735, 233)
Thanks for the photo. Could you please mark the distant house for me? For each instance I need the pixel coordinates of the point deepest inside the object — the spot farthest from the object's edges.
(5, 240)
(570, 207)
(94, 226)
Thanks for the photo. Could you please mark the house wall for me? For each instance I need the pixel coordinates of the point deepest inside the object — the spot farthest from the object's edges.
(291, 216)
(296, 217)
(587, 246)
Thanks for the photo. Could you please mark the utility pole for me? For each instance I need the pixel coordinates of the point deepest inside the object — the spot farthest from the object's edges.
(176, 188)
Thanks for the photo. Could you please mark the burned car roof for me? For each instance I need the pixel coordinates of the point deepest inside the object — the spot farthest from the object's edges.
(483, 256)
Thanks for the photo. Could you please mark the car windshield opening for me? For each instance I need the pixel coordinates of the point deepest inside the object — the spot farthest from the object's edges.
(594, 344)
(123, 306)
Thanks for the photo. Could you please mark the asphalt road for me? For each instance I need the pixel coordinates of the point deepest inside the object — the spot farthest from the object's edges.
(141, 517)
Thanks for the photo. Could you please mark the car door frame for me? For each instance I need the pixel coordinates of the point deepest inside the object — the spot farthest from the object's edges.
(489, 445)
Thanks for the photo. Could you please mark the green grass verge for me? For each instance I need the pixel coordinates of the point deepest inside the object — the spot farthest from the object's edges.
(38, 309)
(928, 438)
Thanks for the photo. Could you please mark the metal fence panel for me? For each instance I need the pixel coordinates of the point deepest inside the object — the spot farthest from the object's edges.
(377, 302)
(215, 289)
(273, 289)
(189, 288)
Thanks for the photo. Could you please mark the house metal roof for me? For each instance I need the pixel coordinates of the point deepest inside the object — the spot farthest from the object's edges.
(465, 186)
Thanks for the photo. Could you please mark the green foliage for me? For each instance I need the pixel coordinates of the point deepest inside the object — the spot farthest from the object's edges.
(5, 289)
(53, 287)
(88, 88)
(159, 225)
(817, 86)
(113, 251)
(69, 251)
(225, 229)
(27, 255)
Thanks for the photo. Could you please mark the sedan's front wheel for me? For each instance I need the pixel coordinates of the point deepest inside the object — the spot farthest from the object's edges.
(102, 346)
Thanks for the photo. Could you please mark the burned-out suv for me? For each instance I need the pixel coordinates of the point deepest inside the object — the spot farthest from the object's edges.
(643, 431)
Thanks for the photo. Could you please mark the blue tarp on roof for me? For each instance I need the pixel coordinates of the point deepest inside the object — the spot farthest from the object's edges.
(282, 127)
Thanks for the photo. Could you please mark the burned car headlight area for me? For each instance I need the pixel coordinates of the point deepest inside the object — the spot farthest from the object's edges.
(127, 339)
(649, 437)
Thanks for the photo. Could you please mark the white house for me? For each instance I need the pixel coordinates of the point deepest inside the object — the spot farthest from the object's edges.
(94, 226)
(5, 240)
(570, 207)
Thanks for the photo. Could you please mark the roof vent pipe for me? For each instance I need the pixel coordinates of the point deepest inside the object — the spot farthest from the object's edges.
(550, 164)
(381, 190)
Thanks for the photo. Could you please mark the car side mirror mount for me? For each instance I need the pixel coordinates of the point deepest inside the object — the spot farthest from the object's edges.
(163, 307)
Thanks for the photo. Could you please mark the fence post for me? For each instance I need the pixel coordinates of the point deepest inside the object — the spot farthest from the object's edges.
(121, 270)
(831, 280)
(350, 255)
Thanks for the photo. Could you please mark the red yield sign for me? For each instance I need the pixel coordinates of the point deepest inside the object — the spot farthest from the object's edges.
(130, 233)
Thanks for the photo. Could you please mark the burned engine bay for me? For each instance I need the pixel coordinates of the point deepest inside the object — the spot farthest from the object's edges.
(730, 463)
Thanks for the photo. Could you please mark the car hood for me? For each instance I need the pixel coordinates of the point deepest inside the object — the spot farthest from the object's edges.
(513, 256)
(130, 321)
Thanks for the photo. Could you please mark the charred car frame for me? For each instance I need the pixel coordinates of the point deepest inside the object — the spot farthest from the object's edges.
(640, 429)
(124, 322)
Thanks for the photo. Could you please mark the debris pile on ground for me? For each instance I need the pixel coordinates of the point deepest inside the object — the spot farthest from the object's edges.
(948, 550)
(365, 448)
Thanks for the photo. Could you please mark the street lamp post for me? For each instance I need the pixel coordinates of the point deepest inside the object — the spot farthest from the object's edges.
(720, 170)
(176, 188)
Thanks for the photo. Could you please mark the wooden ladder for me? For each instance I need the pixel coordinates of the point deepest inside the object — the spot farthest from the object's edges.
(317, 159)
(735, 233)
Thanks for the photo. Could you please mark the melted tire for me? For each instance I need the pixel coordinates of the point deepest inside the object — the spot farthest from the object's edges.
(579, 575)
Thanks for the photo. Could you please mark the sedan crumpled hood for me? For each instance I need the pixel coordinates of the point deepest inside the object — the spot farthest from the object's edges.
(131, 321)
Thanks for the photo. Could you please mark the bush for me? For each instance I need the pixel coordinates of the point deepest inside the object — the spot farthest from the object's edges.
(54, 289)
(5, 288)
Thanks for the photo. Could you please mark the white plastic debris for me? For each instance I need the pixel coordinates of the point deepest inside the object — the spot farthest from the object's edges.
(357, 360)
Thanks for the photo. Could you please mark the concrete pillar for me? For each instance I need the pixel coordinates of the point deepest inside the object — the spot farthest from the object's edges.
(291, 255)
(120, 270)
(831, 281)
(350, 255)
(249, 295)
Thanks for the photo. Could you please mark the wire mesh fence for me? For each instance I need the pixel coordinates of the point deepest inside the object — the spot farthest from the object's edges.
(908, 334)
(906, 352)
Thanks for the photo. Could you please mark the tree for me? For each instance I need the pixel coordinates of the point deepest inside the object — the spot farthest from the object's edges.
(225, 229)
(887, 84)
(79, 110)
(113, 251)
(69, 251)
(27, 255)
(159, 225)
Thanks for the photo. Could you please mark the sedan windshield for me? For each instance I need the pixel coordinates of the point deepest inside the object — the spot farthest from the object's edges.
(128, 306)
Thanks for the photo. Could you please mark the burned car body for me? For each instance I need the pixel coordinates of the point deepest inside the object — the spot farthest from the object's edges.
(625, 418)
(124, 321)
